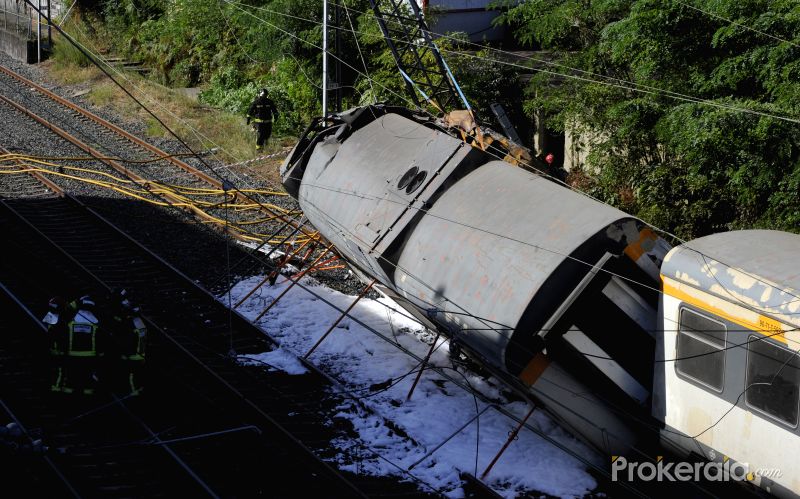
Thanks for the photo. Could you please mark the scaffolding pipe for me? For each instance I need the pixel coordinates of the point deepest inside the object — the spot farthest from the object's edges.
(422, 367)
(290, 286)
(342, 316)
(511, 437)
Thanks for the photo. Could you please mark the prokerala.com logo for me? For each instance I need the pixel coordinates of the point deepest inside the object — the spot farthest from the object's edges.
(661, 471)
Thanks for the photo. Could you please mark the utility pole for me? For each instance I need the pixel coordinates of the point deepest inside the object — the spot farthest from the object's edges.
(337, 51)
(39, 33)
(325, 59)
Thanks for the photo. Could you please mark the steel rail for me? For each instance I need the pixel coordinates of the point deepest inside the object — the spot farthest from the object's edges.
(38, 176)
(113, 164)
(136, 140)
(70, 486)
(187, 352)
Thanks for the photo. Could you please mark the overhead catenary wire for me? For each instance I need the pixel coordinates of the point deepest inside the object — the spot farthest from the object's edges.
(468, 226)
(740, 25)
(589, 76)
(561, 182)
(145, 108)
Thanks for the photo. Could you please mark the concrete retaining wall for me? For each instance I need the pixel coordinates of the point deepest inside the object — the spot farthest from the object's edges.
(18, 47)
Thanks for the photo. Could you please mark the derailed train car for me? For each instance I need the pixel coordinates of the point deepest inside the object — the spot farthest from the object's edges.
(557, 293)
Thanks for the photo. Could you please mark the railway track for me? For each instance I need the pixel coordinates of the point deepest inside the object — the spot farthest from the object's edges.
(199, 332)
(61, 247)
(79, 461)
(118, 152)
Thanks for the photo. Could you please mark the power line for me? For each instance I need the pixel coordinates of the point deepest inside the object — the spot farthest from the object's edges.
(717, 16)
(621, 83)
(345, 232)
(561, 182)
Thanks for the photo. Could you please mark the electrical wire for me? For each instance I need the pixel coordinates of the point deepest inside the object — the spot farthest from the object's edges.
(140, 104)
(561, 182)
(717, 16)
(612, 81)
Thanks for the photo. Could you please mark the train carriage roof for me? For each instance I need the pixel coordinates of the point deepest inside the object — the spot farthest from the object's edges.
(759, 269)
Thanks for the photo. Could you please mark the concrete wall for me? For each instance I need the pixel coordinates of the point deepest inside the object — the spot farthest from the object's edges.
(17, 46)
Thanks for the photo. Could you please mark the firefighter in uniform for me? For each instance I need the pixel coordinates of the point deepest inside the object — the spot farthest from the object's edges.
(262, 111)
(81, 349)
(129, 339)
(56, 322)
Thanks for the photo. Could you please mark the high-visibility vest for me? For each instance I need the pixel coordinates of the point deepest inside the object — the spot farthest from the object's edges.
(82, 335)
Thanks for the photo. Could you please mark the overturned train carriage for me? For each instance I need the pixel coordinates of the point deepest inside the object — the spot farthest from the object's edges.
(562, 296)
(507, 263)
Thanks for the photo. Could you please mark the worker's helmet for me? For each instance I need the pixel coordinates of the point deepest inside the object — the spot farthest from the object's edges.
(86, 303)
(123, 298)
(56, 304)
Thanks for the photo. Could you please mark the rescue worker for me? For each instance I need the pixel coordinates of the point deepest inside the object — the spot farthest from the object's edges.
(82, 347)
(262, 111)
(56, 340)
(129, 338)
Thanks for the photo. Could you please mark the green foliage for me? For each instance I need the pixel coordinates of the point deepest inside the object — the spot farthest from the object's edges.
(234, 48)
(66, 54)
(229, 90)
(690, 167)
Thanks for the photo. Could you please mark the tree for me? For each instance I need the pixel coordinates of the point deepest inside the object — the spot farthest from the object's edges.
(688, 97)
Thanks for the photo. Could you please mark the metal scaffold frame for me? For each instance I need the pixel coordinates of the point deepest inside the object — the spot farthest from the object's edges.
(424, 71)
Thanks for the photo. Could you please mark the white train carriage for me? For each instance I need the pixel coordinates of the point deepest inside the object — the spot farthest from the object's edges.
(727, 377)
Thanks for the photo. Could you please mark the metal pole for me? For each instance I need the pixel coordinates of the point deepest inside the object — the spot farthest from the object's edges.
(338, 52)
(39, 33)
(325, 58)
(49, 26)
(269, 276)
(422, 367)
(291, 284)
(511, 437)
(344, 314)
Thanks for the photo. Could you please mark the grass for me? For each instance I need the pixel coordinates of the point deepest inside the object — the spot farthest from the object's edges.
(102, 94)
(199, 125)
(184, 115)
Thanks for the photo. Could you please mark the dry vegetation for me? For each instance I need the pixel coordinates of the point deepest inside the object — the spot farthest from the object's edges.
(201, 126)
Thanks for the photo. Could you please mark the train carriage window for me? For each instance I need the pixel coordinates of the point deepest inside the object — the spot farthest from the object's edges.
(701, 349)
(773, 380)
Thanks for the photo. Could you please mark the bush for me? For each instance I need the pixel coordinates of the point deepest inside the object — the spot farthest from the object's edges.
(66, 54)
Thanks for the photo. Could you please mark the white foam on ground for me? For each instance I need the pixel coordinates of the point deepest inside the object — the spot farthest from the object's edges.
(359, 359)
(276, 360)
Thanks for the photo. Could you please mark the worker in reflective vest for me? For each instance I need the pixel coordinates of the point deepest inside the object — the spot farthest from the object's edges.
(81, 351)
(262, 111)
(129, 338)
(56, 339)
